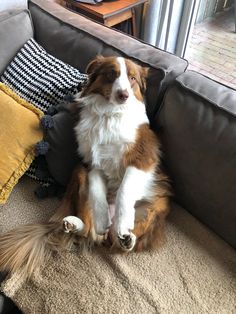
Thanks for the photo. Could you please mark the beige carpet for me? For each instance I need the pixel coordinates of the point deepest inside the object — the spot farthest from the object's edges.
(194, 273)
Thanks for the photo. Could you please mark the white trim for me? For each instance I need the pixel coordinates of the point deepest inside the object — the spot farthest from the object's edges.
(187, 22)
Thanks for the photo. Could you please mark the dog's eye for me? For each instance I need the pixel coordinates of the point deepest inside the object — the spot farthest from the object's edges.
(132, 78)
(111, 75)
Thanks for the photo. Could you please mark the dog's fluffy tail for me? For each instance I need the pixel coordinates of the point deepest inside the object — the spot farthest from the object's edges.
(25, 248)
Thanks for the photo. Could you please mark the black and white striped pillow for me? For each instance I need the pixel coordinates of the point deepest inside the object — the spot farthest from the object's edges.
(39, 77)
(44, 81)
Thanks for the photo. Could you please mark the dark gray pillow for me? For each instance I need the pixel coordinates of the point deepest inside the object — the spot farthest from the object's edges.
(62, 155)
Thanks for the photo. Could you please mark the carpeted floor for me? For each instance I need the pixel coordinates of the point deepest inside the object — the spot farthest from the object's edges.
(194, 273)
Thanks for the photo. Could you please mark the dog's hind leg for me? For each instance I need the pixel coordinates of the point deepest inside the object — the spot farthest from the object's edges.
(76, 212)
(67, 206)
(68, 212)
(149, 230)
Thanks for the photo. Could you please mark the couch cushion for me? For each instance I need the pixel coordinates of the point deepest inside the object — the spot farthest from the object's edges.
(15, 29)
(198, 120)
(76, 40)
(190, 274)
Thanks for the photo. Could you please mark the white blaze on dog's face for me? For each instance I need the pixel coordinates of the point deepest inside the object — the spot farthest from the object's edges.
(117, 79)
(121, 88)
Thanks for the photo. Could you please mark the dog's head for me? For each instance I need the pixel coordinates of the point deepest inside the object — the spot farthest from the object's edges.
(116, 79)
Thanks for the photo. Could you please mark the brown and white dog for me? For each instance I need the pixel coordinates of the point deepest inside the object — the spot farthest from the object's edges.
(122, 191)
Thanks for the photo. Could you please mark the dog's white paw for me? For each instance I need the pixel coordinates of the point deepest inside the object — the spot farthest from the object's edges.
(123, 227)
(127, 241)
(124, 219)
(73, 224)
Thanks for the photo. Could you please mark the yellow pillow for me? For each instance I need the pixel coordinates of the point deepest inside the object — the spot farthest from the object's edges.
(19, 132)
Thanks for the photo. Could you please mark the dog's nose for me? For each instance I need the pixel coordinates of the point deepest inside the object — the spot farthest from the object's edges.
(122, 95)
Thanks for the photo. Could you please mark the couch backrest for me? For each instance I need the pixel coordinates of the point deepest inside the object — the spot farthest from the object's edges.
(12, 5)
(77, 40)
(15, 29)
(198, 130)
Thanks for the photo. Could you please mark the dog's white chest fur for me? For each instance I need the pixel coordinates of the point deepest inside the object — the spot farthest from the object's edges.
(104, 135)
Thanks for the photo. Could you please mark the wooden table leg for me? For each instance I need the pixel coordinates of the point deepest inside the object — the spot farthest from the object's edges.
(70, 6)
(133, 21)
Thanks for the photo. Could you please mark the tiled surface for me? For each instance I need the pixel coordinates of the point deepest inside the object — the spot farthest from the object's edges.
(212, 49)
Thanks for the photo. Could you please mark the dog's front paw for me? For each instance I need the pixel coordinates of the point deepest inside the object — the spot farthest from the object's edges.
(73, 224)
(127, 241)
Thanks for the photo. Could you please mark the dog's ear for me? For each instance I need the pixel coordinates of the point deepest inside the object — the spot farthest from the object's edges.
(92, 72)
(94, 65)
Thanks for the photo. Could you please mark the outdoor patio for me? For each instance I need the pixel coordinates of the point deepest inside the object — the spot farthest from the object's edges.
(212, 48)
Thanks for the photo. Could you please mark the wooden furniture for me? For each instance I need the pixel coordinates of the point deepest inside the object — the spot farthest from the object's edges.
(109, 13)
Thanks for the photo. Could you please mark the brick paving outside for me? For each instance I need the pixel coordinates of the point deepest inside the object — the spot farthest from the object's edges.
(212, 48)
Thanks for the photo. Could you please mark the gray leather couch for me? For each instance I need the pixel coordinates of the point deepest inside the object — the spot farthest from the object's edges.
(194, 116)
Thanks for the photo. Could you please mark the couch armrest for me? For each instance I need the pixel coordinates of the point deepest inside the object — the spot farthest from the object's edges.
(76, 40)
(198, 120)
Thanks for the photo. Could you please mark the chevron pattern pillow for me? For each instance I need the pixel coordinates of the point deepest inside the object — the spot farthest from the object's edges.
(40, 78)
(44, 81)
